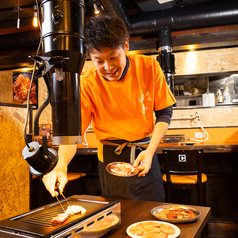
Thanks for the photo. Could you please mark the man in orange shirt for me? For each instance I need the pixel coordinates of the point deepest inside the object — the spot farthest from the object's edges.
(128, 100)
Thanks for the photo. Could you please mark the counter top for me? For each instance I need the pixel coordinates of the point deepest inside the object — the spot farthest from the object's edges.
(208, 148)
(133, 211)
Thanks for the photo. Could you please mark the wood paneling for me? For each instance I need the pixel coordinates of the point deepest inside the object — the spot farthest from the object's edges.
(14, 170)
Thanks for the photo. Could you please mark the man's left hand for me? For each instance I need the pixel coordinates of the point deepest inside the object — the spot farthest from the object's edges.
(143, 161)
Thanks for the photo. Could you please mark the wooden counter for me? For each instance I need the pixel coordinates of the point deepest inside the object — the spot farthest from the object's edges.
(135, 211)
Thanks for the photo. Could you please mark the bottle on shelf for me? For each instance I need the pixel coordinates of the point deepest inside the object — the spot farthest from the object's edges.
(219, 96)
(226, 95)
(176, 90)
(181, 89)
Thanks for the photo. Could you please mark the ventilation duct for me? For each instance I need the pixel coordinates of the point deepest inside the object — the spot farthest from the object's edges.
(188, 17)
(165, 57)
(154, 5)
(209, 14)
(19, 40)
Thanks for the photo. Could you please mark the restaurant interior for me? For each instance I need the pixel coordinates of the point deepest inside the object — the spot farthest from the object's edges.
(201, 37)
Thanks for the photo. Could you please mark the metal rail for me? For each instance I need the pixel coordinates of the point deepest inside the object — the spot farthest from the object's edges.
(185, 118)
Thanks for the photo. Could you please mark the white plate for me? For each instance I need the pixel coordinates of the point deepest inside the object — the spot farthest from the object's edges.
(176, 234)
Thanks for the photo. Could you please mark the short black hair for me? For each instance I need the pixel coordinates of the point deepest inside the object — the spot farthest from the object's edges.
(105, 31)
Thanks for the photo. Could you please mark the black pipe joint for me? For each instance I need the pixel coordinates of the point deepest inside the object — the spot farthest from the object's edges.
(166, 60)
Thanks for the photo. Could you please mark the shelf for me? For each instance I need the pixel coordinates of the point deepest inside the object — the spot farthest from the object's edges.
(188, 96)
(227, 104)
(17, 105)
(202, 107)
(213, 75)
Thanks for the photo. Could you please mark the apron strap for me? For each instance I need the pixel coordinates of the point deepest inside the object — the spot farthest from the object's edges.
(133, 153)
(120, 147)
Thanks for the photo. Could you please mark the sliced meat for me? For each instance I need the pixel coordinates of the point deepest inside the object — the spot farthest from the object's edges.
(167, 229)
(60, 218)
(75, 209)
(123, 169)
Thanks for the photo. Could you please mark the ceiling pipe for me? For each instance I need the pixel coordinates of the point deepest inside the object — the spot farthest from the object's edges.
(149, 23)
(20, 40)
(182, 18)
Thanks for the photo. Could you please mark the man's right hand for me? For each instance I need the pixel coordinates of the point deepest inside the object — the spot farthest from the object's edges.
(59, 173)
(50, 179)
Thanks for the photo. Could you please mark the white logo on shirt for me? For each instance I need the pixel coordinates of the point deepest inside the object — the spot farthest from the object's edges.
(148, 96)
(141, 99)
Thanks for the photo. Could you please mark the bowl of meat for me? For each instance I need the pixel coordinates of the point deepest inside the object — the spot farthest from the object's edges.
(122, 169)
(175, 213)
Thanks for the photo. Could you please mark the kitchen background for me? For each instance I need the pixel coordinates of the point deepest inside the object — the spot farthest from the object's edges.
(220, 121)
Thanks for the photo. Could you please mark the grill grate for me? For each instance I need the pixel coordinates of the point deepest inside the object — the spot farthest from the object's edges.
(45, 218)
(37, 223)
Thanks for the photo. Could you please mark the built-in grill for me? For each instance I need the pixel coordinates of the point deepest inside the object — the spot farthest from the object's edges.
(37, 223)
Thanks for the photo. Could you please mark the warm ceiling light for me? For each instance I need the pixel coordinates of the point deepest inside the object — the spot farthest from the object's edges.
(96, 11)
(191, 47)
(164, 1)
(17, 9)
(35, 19)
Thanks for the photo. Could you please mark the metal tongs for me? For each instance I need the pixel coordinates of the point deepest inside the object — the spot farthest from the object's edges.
(61, 193)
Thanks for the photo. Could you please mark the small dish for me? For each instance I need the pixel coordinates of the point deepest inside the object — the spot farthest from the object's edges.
(122, 169)
(155, 211)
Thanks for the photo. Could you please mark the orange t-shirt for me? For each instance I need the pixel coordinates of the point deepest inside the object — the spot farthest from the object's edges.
(124, 109)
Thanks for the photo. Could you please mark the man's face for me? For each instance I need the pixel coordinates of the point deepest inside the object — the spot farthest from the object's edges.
(109, 62)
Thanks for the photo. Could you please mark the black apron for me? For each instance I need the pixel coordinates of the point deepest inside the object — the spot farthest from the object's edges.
(148, 187)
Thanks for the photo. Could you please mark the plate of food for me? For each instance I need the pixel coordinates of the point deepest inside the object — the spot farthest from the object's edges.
(122, 169)
(175, 213)
(104, 223)
(152, 229)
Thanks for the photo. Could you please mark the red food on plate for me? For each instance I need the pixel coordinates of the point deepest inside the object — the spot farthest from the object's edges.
(21, 87)
(122, 169)
(104, 223)
(176, 214)
(60, 218)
